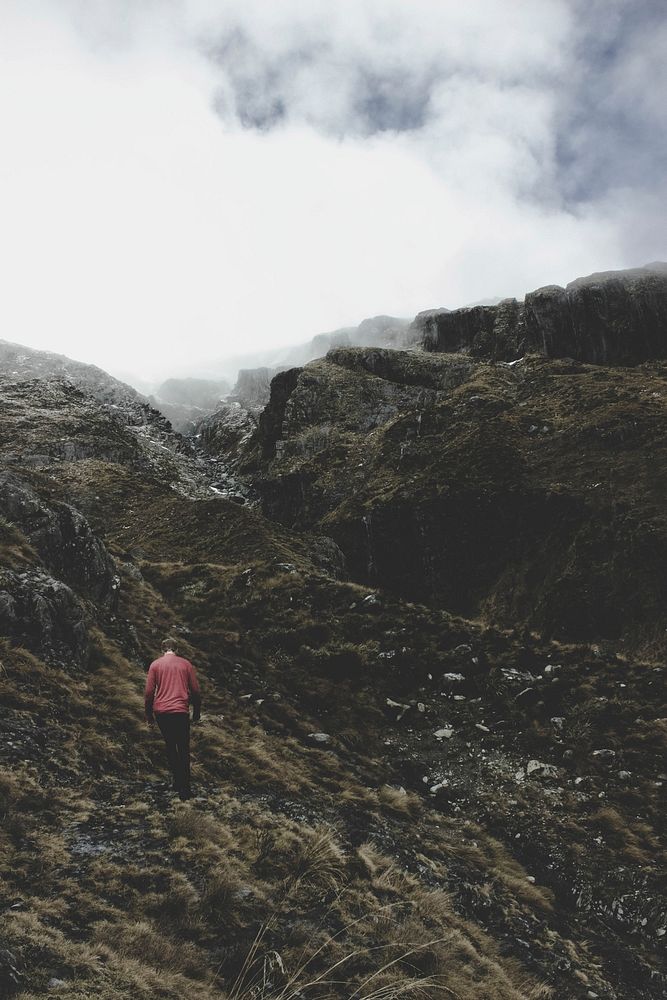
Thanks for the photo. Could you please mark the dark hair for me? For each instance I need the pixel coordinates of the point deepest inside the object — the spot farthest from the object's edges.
(169, 643)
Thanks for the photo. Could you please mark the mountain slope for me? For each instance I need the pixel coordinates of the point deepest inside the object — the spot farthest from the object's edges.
(439, 805)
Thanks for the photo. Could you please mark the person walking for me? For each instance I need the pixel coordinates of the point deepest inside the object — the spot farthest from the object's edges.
(171, 687)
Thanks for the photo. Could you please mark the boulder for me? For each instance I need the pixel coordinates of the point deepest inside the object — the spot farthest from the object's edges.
(62, 537)
(44, 615)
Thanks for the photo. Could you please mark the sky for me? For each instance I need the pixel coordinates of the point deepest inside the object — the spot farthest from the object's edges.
(184, 180)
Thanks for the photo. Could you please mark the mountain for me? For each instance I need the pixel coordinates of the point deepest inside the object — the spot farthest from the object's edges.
(430, 635)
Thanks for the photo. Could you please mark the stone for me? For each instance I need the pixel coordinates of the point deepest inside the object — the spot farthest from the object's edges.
(398, 705)
(62, 537)
(539, 769)
(371, 600)
(443, 734)
(319, 737)
(45, 615)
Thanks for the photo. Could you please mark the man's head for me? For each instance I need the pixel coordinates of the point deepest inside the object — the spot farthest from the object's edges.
(169, 645)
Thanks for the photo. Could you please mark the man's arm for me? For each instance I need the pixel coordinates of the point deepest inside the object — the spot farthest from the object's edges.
(195, 694)
(149, 695)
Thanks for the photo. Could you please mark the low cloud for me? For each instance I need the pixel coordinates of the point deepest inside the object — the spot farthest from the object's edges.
(188, 180)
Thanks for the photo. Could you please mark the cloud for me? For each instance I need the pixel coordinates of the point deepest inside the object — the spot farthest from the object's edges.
(188, 180)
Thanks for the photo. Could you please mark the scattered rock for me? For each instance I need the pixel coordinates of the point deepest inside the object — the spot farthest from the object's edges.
(371, 601)
(539, 769)
(402, 709)
(604, 754)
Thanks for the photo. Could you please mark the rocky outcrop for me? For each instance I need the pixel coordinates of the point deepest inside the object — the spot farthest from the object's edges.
(44, 615)
(273, 415)
(355, 389)
(611, 318)
(62, 538)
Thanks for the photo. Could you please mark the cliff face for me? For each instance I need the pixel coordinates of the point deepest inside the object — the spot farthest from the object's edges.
(617, 317)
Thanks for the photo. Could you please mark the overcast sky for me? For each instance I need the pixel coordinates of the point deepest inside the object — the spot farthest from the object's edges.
(182, 180)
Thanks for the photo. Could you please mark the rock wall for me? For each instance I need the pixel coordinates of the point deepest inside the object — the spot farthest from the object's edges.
(611, 318)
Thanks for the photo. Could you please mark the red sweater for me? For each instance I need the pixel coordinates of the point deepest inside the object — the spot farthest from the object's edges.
(172, 686)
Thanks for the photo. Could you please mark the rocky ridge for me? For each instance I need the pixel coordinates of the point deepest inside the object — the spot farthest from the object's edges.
(611, 318)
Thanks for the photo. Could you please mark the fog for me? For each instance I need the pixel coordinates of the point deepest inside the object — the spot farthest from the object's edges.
(186, 181)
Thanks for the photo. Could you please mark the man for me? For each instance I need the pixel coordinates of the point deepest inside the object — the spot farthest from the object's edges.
(171, 687)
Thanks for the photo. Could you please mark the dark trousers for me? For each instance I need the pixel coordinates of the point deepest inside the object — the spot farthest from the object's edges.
(175, 728)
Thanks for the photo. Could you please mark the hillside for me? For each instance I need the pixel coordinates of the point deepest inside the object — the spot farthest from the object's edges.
(520, 493)
(430, 634)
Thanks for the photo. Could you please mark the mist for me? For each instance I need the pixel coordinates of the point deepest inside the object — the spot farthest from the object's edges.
(187, 181)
